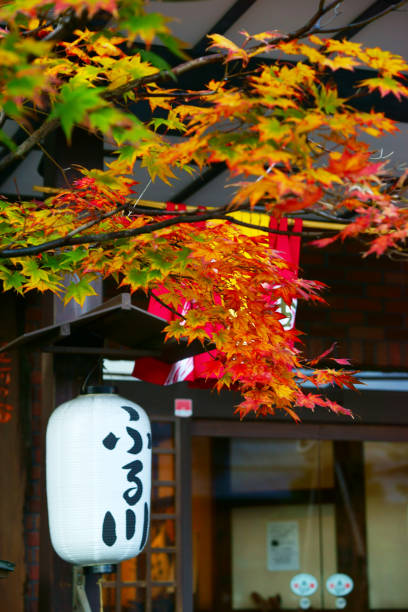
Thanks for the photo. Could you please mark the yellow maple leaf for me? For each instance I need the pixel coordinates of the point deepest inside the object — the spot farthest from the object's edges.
(233, 51)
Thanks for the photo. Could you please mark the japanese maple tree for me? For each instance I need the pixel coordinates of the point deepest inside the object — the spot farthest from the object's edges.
(288, 139)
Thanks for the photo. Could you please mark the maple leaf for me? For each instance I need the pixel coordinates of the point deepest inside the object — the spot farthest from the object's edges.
(327, 98)
(324, 354)
(74, 104)
(344, 46)
(386, 85)
(337, 408)
(380, 244)
(233, 51)
(145, 26)
(264, 37)
(92, 6)
(352, 164)
(79, 290)
(12, 280)
(384, 61)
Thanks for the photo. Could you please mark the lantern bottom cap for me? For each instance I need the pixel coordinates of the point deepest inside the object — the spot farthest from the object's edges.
(100, 568)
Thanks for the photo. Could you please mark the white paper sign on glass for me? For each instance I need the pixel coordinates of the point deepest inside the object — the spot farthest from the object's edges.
(339, 585)
(304, 585)
(282, 545)
(98, 466)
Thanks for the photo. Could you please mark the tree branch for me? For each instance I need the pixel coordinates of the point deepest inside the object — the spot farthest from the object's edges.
(21, 151)
(165, 75)
(262, 228)
(115, 235)
(309, 26)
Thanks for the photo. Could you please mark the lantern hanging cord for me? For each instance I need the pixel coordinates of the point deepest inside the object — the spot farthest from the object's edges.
(90, 373)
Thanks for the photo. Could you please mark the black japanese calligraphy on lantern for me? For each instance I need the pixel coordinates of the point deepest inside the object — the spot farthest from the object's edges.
(137, 441)
(133, 413)
(110, 441)
(133, 494)
(130, 524)
(109, 529)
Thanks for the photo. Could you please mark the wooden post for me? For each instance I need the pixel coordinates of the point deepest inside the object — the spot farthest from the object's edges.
(351, 520)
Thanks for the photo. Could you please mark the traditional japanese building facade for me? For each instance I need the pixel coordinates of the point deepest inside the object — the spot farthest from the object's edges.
(260, 514)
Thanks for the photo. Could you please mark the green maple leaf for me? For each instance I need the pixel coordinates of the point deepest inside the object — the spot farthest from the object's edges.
(154, 59)
(32, 271)
(74, 105)
(12, 280)
(104, 118)
(159, 260)
(139, 279)
(145, 26)
(74, 256)
(7, 141)
(327, 99)
(79, 290)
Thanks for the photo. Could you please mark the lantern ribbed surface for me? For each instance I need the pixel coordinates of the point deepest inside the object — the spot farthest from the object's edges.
(98, 466)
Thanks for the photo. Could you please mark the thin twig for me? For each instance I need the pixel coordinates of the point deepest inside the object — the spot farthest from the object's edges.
(107, 215)
(173, 310)
(309, 26)
(50, 157)
(364, 22)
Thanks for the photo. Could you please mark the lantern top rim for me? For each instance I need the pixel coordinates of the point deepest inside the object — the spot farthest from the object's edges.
(99, 390)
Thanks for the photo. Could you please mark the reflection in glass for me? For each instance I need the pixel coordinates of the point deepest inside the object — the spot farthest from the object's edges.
(163, 565)
(108, 596)
(133, 569)
(278, 527)
(162, 533)
(133, 599)
(263, 511)
(258, 466)
(386, 474)
(163, 467)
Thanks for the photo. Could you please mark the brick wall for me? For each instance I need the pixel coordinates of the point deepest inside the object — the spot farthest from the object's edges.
(367, 310)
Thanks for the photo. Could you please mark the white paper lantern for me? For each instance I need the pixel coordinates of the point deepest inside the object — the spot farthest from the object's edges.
(98, 465)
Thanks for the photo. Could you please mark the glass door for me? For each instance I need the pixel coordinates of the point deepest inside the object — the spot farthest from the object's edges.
(299, 524)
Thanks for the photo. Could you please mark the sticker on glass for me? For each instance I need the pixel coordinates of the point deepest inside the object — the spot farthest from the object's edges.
(304, 603)
(304, 584)
(339, 585)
